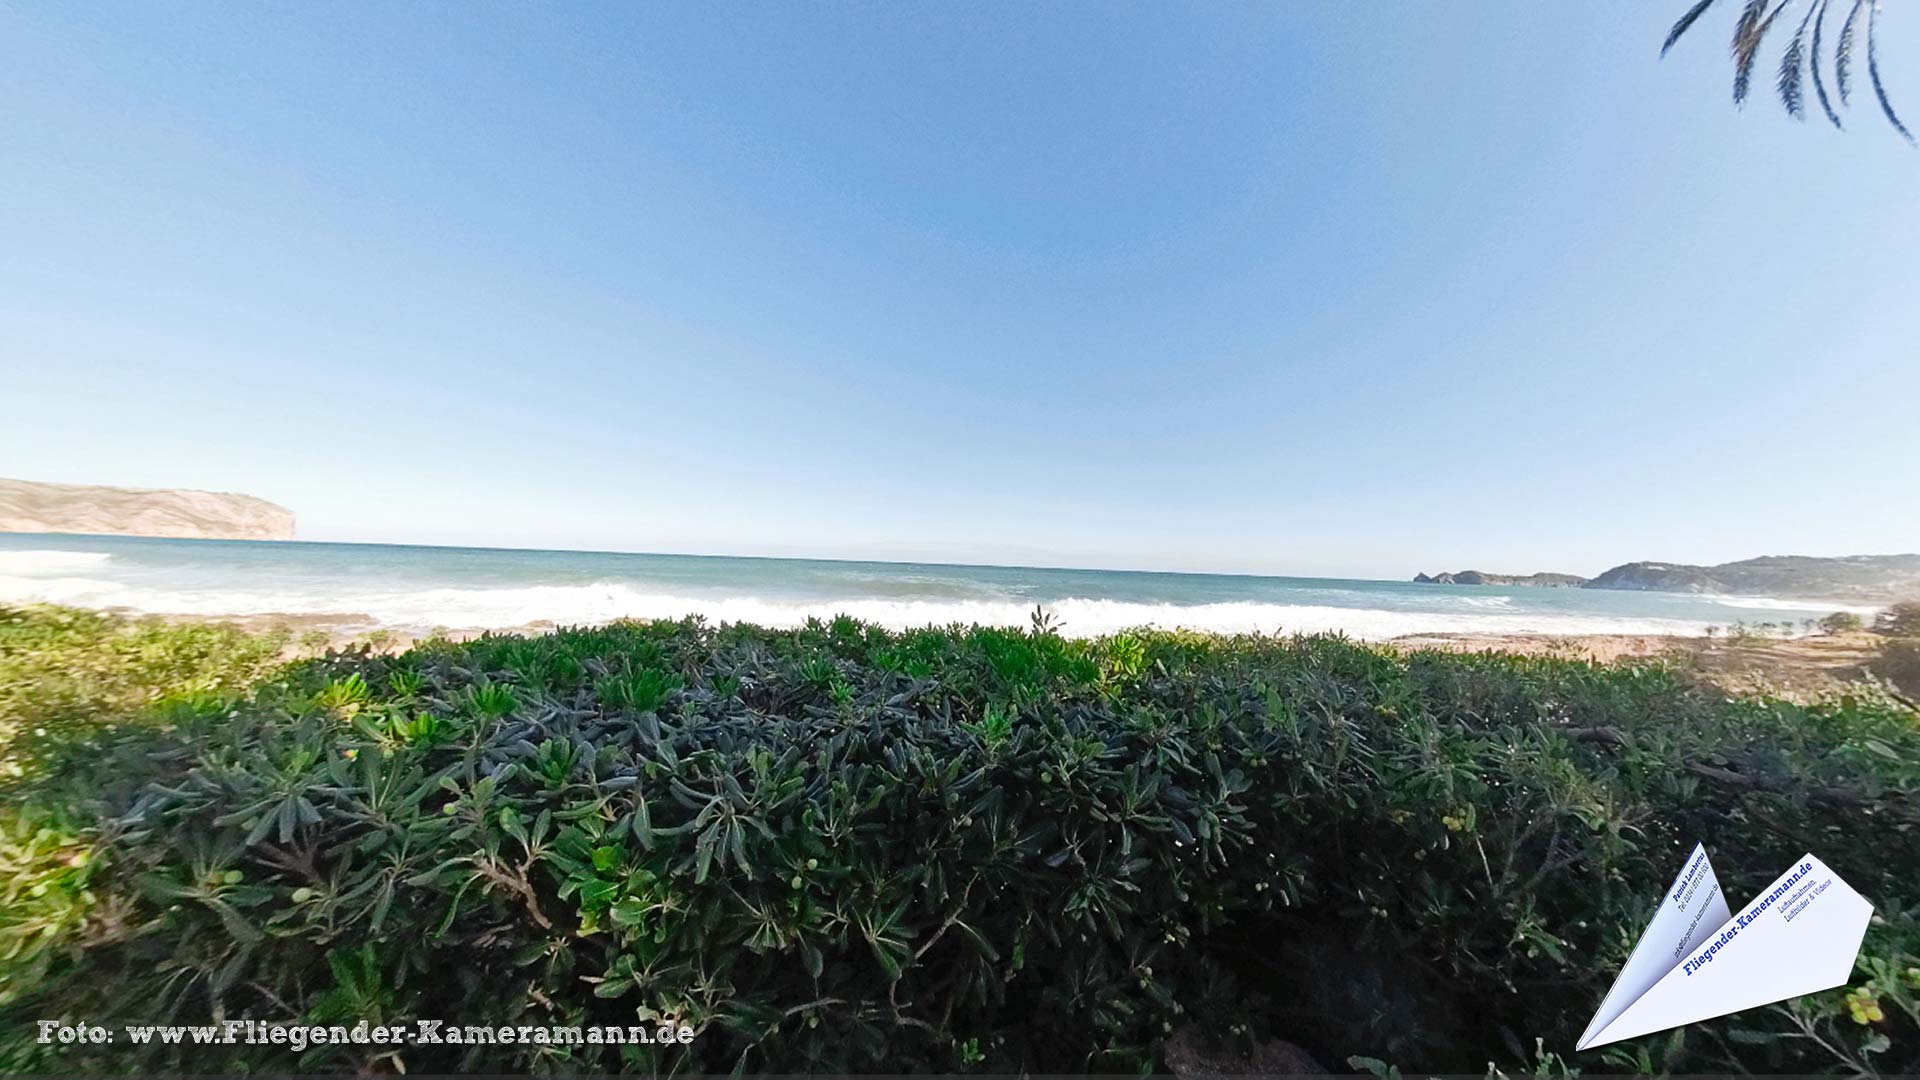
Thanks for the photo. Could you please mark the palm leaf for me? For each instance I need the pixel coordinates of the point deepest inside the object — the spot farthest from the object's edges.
(1748, 33)
(1843, 52)
(1804, 53)
(1793, 66)
(1873, 72)
(1819, 82)
(1686, 23)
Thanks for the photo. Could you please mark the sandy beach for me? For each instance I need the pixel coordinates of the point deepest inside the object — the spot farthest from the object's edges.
(1798, 668)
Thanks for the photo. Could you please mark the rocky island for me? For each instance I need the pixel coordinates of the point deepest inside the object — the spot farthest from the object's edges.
(27, 506)
(1479, 577)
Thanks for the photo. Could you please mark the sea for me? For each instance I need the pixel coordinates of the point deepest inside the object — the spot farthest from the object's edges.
(417, 588)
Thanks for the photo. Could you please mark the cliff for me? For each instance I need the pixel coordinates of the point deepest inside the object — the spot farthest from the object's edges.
(26, 506)
(1872, 579)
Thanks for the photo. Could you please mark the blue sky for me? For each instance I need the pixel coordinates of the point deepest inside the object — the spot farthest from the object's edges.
(1322, 289)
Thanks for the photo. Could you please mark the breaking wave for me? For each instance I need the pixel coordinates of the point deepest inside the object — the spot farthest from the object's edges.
(43, 562)
(499, 608)
(1762, 603)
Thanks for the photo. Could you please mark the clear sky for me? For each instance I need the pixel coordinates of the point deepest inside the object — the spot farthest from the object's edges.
(1352, 289)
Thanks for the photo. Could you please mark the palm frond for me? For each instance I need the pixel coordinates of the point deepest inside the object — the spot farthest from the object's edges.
(1873, 72)
(1843, 52)
(1748, 33)
(1686, 23)
(1805, 52)
(1793, 66)
(1813, 59)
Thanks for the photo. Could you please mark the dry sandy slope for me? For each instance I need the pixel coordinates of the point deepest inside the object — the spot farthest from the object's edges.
(26, 506)
(1800, 668)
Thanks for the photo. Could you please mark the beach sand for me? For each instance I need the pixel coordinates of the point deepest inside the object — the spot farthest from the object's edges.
(1796, 668)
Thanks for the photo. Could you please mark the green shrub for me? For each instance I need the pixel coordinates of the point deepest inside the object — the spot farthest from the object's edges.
(843, 849)
(69, 676)
(1841, 622)
(1899, 620)
(1899, 664)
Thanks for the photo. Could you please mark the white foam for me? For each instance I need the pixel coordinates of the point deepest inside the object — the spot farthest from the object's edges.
(1763, 603)
(50, 562)
(1487, 601)
(600, 602)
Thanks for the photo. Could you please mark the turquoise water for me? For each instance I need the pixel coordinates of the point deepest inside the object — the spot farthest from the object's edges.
(420, 587)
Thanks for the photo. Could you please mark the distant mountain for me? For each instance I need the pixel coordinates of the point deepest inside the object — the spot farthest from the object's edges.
(1477, 577)
(26, 506)
(1871, 579)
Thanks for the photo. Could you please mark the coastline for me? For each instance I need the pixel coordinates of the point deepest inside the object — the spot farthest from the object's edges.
(361, 588)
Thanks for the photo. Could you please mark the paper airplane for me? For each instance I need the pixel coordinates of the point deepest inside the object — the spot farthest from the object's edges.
(1695, 961)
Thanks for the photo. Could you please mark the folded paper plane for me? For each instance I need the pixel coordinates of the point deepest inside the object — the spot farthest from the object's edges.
(1697, 960)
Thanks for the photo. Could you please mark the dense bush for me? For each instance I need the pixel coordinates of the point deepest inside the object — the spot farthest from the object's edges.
(1899, 664)
(1899, 620)
(1899, 659)
(1841, 622)
(68, 675)
(839, 848)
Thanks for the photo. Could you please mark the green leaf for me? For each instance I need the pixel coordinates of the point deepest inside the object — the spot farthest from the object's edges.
(609, 988)
(642, 823)
(631, 911)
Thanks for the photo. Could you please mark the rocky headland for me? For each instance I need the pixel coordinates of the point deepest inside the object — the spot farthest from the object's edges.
(1863, 579)
(27, 506)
